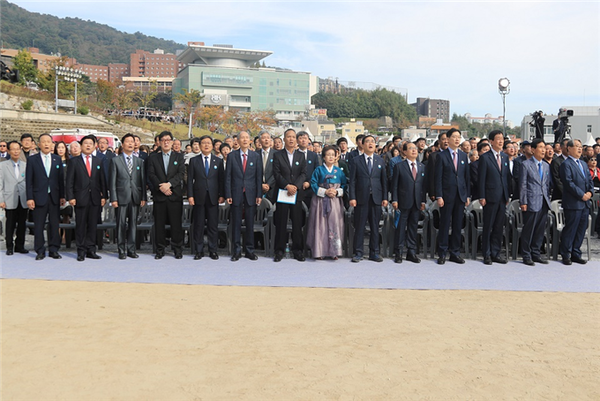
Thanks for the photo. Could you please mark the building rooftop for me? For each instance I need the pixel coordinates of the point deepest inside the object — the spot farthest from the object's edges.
(221, 56)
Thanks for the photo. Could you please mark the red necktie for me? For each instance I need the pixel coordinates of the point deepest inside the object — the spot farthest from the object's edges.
(455, 161)
(499, 163)
(244, 163)
(88, 165)
(414, 171)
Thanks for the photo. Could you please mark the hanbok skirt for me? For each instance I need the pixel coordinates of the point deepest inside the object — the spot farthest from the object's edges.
(326, 233)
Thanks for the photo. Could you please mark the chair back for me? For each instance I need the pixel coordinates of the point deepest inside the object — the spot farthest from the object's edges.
(559, 214)
(476, 211)
(517, 213)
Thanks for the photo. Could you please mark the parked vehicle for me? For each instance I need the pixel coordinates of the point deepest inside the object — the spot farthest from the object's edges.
(75, 134)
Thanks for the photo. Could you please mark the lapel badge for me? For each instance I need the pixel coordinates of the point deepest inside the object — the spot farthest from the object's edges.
(58, 166)
(271, 160)
(310, 162)
(97, 167)
(175, 163)
(334, 177)
(297, 164)
(379, 165)
(138, 167)
(22, 174)
(251, 164)
(462, 162)
(215, 167)
(422, 174)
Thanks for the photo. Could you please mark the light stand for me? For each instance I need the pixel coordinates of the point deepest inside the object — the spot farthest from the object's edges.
(68, 75)
(504, 89)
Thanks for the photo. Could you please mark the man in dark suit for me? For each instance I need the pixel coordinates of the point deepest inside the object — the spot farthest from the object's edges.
(535, 202)
(494, 193)
(482, 148)
(430, 167)
(4, 151)
(368, 193)
(267, 153)
(312, 162)
(206, 189)
(166, 170)
(578, 189)
(86, 192)
(127, 194)
(557, 189)
(342, 144)
(408, 195)
(45, 194)
(289, 169)
(243, 190)
(13, 198)
(452, 194)
(526, 153)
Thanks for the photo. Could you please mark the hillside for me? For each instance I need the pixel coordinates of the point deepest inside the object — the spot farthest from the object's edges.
(74, 37)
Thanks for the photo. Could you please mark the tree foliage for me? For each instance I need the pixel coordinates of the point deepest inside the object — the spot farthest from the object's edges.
(481, 130)
(24, 63)
(366, 104)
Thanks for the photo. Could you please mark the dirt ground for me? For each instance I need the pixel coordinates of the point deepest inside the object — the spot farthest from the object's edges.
(121, 341)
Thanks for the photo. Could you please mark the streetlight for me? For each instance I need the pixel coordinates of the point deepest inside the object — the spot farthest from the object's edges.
(69, 75)
(504, 89)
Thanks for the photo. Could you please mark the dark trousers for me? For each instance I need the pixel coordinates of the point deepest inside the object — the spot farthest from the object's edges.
(295, 213)
(249, 212)
(453, 211)
(127, 222)
(206, 215)
(86, 221)
(406, 232)
(371, 213)
(16, 218)
(573, 232)
(532, 236)
(168, 211)
(494, 218)
(52, 212)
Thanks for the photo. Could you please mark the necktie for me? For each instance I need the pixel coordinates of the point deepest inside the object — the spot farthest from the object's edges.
(88, 165)
(129, 165)
(580, 167)
(47, 164)
(414, 171)
(498, 160)
(540, 171)
(17, 172)
(369, 165)
(206, 165)
(265, 159)
(454, 159)
(244, 162)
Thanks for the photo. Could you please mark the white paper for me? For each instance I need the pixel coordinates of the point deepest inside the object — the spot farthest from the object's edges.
(283, 197)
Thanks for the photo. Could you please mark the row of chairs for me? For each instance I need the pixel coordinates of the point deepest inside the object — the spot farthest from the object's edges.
(263, 226)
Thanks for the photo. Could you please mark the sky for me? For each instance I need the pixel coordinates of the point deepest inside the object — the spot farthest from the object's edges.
(450, 50)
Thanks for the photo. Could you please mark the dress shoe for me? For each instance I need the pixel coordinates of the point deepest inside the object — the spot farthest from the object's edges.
(23, 251)
(214, 256)
(93, 255)
(299, 257)
(122, 256)
(9, 252)
(566, 261)
(80, 257)
(398, 259)
(132, 255)
(159, 256)
(456, 259)
(40, 256)
(278, 257)
(198, 255)
(376, 258)
(251, 256)
(356, 258)
(540, 260)
(487, 260)
(579, 260)
(236, 257)
(499, 259)
(179, 255)
(441, 260)
(54, 255)
(529, 262)
(413, 258)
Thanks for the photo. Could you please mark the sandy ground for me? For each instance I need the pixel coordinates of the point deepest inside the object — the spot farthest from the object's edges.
(118, 341)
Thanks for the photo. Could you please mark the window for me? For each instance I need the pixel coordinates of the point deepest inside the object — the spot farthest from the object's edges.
(589, 129)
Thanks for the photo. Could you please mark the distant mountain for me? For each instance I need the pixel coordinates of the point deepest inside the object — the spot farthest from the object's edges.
(87, 41)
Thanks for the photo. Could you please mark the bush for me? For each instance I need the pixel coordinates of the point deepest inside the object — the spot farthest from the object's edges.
(27, 104)
(83, 110)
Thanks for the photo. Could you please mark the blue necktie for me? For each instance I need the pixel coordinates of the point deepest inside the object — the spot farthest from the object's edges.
(369, 165)
(206, 165)
(581, 168)
(540, 171)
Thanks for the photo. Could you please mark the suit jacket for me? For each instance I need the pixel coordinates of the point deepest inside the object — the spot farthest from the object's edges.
(286, 174)
(493, 182)
(125, 188)
(12, 189)
(406, 190)
(557, 189)
(38, 181)
(575, 184)
(268, 177)
(516, 175)
(534, 192)
(365, 185)
(474, 177)
(174, 175)
(200, 186)
(84, 189)
(430, 173)
(240, 184)
(24, 157)
(312, 162)
(448, 180)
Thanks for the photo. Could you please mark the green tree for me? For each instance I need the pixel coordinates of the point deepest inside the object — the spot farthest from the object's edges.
(190, 100)
(146, 97)
(24, 63)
